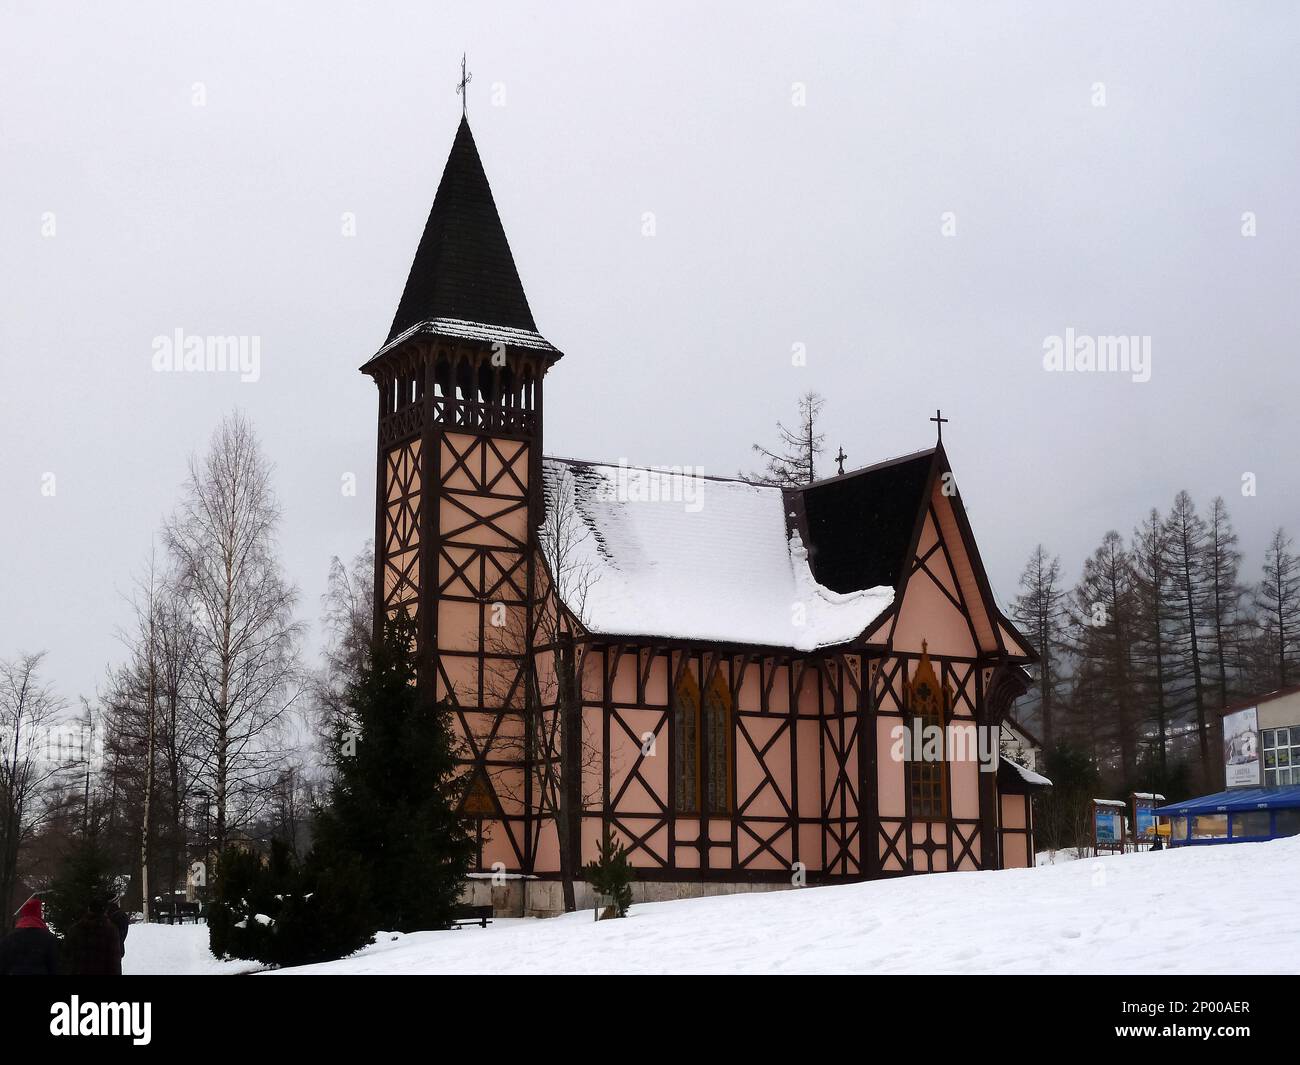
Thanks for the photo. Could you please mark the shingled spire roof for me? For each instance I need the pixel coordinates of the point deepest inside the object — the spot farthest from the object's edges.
(463, 275)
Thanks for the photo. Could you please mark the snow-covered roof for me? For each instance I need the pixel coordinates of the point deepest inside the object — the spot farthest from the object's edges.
(1028, 775)
(1109, 802)
(457, 327)
(1148, 795)
(676, 555)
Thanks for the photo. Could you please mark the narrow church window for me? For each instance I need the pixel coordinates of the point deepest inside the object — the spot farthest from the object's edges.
(686, 744)
(717, 724)
(702, 746)
(927, 702)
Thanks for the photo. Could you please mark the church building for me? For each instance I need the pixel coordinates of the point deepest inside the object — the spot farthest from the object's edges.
(739, 681)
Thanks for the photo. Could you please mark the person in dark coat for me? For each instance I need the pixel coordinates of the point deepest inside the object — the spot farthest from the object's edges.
(121, 921)
(31, 949)
(94, 947)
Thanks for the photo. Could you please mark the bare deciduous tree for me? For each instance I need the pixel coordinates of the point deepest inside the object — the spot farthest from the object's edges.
(223, 540)
(1186, 545)
(795, 462)
(1278, 597)
(1040, 610)
(535, 669)
(28, 711)
(1223, 605)
(348, 621)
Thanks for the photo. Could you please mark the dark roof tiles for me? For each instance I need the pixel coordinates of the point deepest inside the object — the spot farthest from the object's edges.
(463, 268)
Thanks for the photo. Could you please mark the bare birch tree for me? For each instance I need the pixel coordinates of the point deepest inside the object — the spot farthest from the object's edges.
(223, 538)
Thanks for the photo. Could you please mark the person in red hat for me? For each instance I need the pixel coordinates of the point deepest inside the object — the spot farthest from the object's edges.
(31, 949)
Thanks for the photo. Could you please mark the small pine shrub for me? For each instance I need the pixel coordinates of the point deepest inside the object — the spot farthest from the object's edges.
(611, 875)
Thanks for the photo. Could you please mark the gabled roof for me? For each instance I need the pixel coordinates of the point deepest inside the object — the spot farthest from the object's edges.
(731, 567)
(674, 556)
(463, 270)
(859, 524)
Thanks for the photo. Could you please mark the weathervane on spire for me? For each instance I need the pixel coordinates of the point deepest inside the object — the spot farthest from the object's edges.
(465, 79)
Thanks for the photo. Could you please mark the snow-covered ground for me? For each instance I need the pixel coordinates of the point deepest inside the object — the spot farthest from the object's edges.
(1199, 910)
(175, 950)
(1223, 909)
(1068, 854)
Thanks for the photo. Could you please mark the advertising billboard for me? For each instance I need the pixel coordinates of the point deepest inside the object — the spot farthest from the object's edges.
(1241, 764)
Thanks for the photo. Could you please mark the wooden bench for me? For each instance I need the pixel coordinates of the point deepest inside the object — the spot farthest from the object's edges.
(177, 913)
(471, 915)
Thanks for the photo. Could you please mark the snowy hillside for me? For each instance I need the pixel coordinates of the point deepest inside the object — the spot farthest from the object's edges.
(1212, 909)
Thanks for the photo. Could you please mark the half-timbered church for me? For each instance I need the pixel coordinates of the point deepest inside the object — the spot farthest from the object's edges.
(716, 671)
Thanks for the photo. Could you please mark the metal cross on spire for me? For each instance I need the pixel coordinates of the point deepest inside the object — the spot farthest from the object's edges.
(840, 459)
(465, 79)
(939, 421)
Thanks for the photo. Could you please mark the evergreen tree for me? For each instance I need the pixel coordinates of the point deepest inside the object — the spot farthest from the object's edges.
(278, 912)
(610, 874)
(1040, 611)
(1278, 597)
(85, 873)
(392, 804)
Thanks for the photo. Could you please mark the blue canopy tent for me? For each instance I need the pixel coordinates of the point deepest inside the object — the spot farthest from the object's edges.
(1238, 815)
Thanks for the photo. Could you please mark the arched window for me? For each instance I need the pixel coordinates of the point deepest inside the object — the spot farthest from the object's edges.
(717, 742)
(927, 703)
(702, 746)
(686, 744)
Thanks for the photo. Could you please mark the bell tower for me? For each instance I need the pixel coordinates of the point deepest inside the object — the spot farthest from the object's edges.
(459, 488)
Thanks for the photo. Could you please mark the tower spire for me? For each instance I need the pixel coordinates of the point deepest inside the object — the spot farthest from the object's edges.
(463, 268)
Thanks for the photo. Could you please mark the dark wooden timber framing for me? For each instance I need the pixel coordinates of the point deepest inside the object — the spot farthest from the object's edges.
(847, 685)
(459, 422)
(436, 390)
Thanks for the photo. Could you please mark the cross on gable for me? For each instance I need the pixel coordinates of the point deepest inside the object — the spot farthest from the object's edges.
(840, 459)
(940, 421)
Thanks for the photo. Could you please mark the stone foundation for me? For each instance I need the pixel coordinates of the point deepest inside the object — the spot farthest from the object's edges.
(545, 898)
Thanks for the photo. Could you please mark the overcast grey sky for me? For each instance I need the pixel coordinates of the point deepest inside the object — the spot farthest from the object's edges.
(775, 225)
